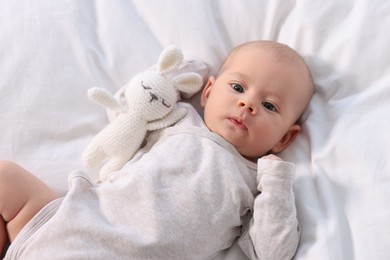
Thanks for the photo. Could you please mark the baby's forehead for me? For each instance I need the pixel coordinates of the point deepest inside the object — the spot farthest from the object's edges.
(278, 51)
(287, 56)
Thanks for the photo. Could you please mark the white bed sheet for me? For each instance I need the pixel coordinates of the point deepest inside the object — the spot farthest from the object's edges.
(53, 51)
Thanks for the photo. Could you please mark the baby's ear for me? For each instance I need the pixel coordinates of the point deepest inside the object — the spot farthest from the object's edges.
(206, 91)
(188, 83)
(287, 139)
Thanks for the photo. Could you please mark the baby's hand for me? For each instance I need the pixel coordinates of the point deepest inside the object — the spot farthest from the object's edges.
(272, 157)
(271, 167)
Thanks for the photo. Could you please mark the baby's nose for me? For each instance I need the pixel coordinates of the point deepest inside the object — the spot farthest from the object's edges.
(248, 105)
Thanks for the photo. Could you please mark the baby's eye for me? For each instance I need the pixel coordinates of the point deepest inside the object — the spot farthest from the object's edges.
(237, 87)
(269, 106)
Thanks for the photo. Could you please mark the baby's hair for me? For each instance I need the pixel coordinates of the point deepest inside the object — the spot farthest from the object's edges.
(283, 53)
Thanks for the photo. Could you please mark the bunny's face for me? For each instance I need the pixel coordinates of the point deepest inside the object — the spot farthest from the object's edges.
(152, 95)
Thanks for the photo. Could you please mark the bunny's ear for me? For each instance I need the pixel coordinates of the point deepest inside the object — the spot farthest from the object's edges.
(169, 60)
(188, 83)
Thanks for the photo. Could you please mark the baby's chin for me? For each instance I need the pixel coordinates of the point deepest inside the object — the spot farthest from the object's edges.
(253, 157)
(250, 156)
(237, 142)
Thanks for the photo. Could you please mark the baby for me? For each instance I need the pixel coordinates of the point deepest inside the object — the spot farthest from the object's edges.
(192, 189)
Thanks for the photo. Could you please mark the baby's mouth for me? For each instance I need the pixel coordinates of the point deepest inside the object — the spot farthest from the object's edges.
(239, 123)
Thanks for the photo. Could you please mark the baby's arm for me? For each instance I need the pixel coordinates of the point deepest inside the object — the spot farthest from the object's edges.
(273, 232)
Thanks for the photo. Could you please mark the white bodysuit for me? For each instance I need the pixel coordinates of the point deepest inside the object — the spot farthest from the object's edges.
(187, 194)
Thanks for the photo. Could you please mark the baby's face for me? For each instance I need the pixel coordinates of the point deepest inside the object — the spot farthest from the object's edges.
(255, 102)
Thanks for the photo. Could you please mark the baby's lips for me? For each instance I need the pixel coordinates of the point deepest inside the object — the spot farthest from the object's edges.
(239, 123)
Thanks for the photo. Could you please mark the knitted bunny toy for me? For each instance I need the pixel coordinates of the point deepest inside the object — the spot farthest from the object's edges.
(149, 104)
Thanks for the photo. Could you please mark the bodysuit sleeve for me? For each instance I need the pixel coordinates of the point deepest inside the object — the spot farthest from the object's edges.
(273, 232)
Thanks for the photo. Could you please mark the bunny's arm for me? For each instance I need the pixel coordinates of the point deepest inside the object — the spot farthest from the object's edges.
(168, 120)
(104, 98)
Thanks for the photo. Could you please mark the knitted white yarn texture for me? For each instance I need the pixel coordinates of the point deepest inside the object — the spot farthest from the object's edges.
(149, 103)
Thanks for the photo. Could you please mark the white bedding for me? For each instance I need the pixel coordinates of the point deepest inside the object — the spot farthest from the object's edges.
(53, 51)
